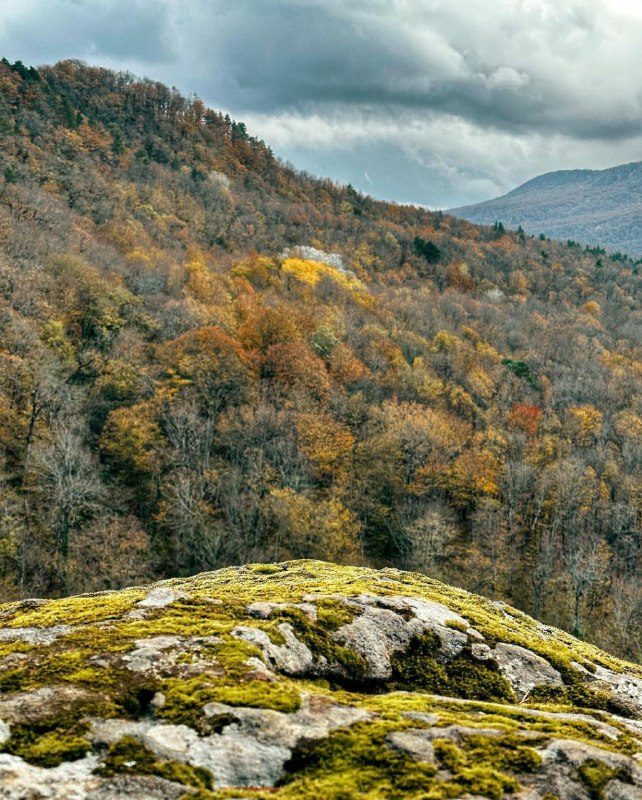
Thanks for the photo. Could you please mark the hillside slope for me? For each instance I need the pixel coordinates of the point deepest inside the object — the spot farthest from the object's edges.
(307, 680)
(208, 358)
(598, 208)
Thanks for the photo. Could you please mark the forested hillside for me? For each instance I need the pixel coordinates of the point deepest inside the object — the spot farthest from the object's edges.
(178, 392)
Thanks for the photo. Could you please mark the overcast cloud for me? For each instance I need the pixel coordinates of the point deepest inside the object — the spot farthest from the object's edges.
(426, 101)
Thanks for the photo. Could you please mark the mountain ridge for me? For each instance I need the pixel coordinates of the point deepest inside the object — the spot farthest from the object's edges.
(598, 208)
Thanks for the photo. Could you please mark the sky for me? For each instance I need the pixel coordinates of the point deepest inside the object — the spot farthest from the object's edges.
(433, 102)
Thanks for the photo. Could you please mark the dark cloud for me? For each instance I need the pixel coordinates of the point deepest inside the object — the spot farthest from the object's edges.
(569, 71)
(462, 100)
(44, 32)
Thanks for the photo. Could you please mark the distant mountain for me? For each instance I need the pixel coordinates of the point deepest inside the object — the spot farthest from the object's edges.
(594, 207)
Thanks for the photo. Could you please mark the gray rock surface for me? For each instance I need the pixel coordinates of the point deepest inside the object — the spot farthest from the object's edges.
(34, 635)
(559, 774)
(616, 790)
(22, 781)
(375, 635)
(160, 597)
(263, 610)
(293, 657)
(313, 254)
(41, 704)
(75, 781)
(426, 616)
(250, 751)
(165, 656)
(138, 787)
(175, 675)
(627, 687)
(524, 669)
(414, 742)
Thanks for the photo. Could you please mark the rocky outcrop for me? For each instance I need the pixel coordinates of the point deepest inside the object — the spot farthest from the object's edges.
(306, 680)
(252, 746)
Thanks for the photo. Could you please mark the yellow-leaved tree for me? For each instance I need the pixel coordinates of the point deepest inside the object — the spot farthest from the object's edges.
(313, 528)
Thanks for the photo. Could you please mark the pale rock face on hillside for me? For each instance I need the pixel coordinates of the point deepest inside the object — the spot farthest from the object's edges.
(308, 680)
(305, 251)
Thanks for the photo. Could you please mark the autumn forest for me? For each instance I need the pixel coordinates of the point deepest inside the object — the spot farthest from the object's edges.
(208, 357)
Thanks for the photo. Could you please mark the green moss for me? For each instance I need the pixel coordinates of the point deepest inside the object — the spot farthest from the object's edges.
(265, 569)
(13, 680)
(391, 704)
(233, 654)
(486, 765)
(17, 646)
(333, 614)
(288, 582)
(49, 743)
(81, 610)
(464, 676)
(258, 694)
(359, 763)
(580, 695)
(185, 617)
(483, 780)
(477, 714)
(291, 580)
(510, 718)
(59, 732)
(55, 665)
(450, 756)
(129, 756)
(231, 794)
(507, 752)
(185, 699)
(595, 776)
(72, 658)
(456, 625)
(355, 763)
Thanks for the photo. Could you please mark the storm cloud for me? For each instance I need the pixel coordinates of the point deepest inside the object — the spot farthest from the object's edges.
(424, 101)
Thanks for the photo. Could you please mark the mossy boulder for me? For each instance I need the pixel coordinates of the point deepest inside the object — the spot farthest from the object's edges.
(308, 680)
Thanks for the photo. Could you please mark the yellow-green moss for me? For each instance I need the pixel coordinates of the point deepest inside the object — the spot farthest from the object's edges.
(49, 748)
(456, 625)
(49, 743)
(13, 680)
(129, 756)
(265, 569)
(288, 582)
(359, 763)
(476, 714)
(355, 762)
(595, 775)
(80, 610)
(463, 676)
(17, 646)
(185, 699)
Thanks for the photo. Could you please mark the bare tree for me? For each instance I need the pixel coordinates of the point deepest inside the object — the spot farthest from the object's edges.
(65, 472)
